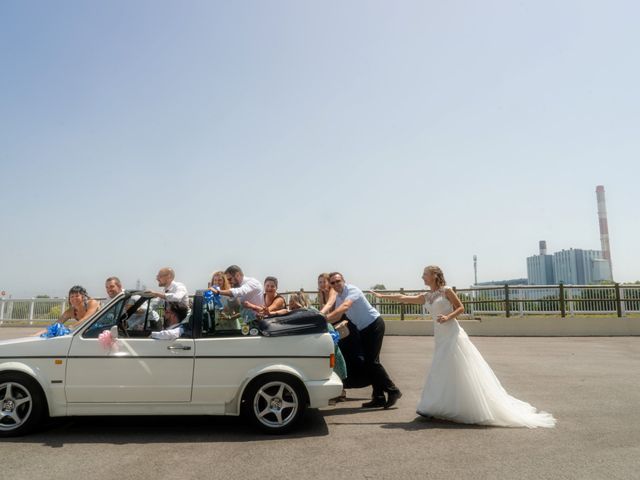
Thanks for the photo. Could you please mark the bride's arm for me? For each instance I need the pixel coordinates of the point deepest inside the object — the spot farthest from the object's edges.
(397, 297)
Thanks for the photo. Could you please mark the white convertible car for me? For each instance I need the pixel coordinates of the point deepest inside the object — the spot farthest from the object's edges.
(270, 373)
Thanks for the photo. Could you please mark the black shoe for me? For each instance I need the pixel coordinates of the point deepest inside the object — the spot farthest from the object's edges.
(378, 402)
(342, 397)
(392, 398)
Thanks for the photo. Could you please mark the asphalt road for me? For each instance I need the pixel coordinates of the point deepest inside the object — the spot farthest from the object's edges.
(591, 385)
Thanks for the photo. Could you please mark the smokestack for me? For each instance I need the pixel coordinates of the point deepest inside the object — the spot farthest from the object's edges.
(475, 270)
(604, 226)
(543, 247)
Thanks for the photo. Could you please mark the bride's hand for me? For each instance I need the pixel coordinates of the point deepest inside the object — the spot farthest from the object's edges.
(443, 318)
(375, 294)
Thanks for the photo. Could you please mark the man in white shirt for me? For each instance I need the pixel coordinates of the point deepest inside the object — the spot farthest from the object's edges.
(174, 314)
(113, 286)
(174, 292)
(245, 289)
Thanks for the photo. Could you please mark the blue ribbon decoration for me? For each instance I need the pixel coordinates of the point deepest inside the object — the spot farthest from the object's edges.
(210, 296)
(55, 330)
(335, 336)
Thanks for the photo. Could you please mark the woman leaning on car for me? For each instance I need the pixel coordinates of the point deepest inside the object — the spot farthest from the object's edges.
(81, 306)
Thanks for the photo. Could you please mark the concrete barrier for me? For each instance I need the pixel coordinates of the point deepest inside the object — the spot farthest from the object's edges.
(538, 326)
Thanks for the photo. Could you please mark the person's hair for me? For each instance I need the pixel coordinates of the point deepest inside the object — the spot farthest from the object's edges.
(299, 298)
(170, 271)
(321, 293)
(80, 290)
(336, 273)
(233, 269)
(438, 274)
(225, 282)
(271, 279)
(113, 279)
(179, 309)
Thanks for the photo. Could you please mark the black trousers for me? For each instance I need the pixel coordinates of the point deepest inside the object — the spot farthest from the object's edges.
(371, 338)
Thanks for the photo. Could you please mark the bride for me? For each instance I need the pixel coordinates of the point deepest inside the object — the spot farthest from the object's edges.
(461, 386)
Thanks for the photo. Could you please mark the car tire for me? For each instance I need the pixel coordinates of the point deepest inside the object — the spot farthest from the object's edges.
(275, 402)
(22, 404)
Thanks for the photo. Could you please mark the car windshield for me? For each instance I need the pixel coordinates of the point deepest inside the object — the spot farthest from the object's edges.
(134, 315)
(106, 319)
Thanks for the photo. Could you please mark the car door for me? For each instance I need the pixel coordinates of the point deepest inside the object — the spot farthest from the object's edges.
(132, 369)
(221, 364)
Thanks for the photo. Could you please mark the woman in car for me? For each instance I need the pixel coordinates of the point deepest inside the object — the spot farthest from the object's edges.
(228, 318)
(274, 303)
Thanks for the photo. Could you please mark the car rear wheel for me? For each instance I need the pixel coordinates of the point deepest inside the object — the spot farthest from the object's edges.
(275, 402)
(21, 404)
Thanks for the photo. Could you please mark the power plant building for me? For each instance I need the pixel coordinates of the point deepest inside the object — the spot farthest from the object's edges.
(574, 266)
(580, 267)
(540, 267)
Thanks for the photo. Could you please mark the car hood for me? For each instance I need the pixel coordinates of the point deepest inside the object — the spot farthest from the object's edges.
(35, 347)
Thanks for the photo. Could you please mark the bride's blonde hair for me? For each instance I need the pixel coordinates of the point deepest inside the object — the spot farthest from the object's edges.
(438, 275)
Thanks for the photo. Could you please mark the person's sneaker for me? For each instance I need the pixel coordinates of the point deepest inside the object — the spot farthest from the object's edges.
(375, 403)
(392, 398)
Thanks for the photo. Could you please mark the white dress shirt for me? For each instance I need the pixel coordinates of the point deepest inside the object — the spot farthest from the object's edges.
(176, 292)
(250, 290)
(172, 333)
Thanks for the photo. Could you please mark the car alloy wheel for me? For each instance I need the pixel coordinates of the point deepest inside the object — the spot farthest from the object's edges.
(16, 406)
(22, 404)
(276, 404)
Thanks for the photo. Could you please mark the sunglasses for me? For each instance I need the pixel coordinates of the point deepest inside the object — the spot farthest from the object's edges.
(335, 281)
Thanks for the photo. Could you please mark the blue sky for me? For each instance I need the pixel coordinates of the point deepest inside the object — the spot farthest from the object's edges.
(295, 137)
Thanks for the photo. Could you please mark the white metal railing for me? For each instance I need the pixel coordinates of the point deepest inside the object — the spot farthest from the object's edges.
(509, 300)
(32, 310)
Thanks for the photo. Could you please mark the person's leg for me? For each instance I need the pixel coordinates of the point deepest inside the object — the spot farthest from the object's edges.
(351, 348)
(371, 345)
(371, 349)
(372, 338)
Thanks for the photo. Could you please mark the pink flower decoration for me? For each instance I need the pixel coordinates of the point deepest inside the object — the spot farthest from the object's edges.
(106, 340)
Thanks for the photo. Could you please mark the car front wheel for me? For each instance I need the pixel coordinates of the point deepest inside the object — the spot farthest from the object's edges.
(275, 402)
(21, 404)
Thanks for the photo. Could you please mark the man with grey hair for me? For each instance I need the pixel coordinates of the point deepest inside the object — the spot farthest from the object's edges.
(174, 292)
(113, 287)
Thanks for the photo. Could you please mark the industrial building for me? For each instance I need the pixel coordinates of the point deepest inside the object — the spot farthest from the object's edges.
(574, 266)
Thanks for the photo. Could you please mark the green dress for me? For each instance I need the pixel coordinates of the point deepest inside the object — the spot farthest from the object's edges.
(341, 366)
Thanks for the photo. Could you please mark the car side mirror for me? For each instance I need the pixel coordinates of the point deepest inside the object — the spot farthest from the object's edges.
(114, 332)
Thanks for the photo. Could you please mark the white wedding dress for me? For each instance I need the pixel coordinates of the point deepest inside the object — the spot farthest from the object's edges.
(461, 386)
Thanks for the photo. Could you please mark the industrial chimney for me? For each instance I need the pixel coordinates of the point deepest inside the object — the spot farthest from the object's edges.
(543, 247)
(475, 270)
(604, 226)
